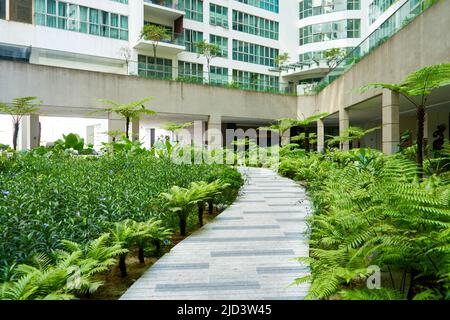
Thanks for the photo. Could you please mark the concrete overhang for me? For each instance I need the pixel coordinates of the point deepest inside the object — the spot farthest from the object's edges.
(161, 11)
(165, 48)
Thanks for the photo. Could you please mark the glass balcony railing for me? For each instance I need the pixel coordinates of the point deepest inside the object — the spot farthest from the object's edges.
(172, 4)
(399, 19)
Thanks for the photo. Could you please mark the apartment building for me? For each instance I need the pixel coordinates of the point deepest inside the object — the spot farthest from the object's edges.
(104, 35)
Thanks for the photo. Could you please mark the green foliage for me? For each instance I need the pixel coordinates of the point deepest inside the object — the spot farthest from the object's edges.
(63, 277)
(129, 111)
(44, 199)
(350, 134)
(17, 109)
(371, 209)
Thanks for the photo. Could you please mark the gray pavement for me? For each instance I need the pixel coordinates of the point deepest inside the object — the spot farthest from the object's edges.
(244, 253)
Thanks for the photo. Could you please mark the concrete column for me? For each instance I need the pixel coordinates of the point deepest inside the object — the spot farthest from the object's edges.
(29, 132)
(115, 123)
(199, 133)
(214, 133)
(344, 123)
(320, 135)
(135, 129)
(390, 121)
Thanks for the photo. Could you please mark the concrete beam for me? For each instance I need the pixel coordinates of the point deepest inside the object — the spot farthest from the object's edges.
(390, 121)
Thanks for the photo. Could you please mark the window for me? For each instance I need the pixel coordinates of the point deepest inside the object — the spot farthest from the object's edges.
(269, 5)
(219, 75)
(121, 1)
(190, 71)
(190, 38)
(255, 81)
(148, 67)
(377, 8)
(2, 9)
(333, 30)
(68, 16)
(255, 25)
(193, 9)
(221, 42)
(254, 53)
(308, 8)
(218, 15)
(21, 11)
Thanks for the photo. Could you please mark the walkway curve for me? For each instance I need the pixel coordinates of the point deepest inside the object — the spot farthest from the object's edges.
(244, 253)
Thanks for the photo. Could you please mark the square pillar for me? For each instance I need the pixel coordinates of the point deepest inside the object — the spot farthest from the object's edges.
(135, 129)
(344, 123)
(115, 123)
(29, 132)
(320, 135)
(390, 121)
(214, 133)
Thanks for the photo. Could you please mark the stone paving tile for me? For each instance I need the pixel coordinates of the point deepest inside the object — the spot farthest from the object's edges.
(244, 253)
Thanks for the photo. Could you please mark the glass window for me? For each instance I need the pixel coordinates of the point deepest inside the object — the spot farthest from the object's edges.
(255, 81)
(254, 53)
(218, 15)
(262, 27)
(63, 15)
(189, 71)
(332, 30)
(308, 8)
(221, 42)
(190, 38)
(269, 5)
(193, 9)
(219, 75)
(159, 68)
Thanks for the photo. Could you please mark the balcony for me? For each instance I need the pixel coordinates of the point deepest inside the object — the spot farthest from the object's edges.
(171, 45)
(166, 9)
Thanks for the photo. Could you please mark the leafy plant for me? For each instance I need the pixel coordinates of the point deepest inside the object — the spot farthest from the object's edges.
(155, 34)
(180, 201)
(129, 111)
(17, 109)
(417, 88)
(209, 51)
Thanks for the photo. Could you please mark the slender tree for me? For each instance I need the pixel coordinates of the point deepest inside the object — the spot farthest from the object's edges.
(209, 51)
(281, 127)
(417, 88)
(155, 34)
(17, 109)
(129, 111)
(305, 123)
(175, 127)
(333, 56)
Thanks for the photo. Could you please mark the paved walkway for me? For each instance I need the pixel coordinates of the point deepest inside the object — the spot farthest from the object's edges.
(243, 254)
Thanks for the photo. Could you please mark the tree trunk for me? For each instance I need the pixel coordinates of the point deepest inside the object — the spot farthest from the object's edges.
(127, 127)
(209, 73)
(15, 135)
(307, 139)
(122, 265)
(157, 244)
(141, 255)
(182, 226)
(201, 207)
(420, 129)
(210, 206)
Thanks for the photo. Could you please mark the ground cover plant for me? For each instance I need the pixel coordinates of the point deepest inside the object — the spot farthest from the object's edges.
(373, 213)
(56, 207)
